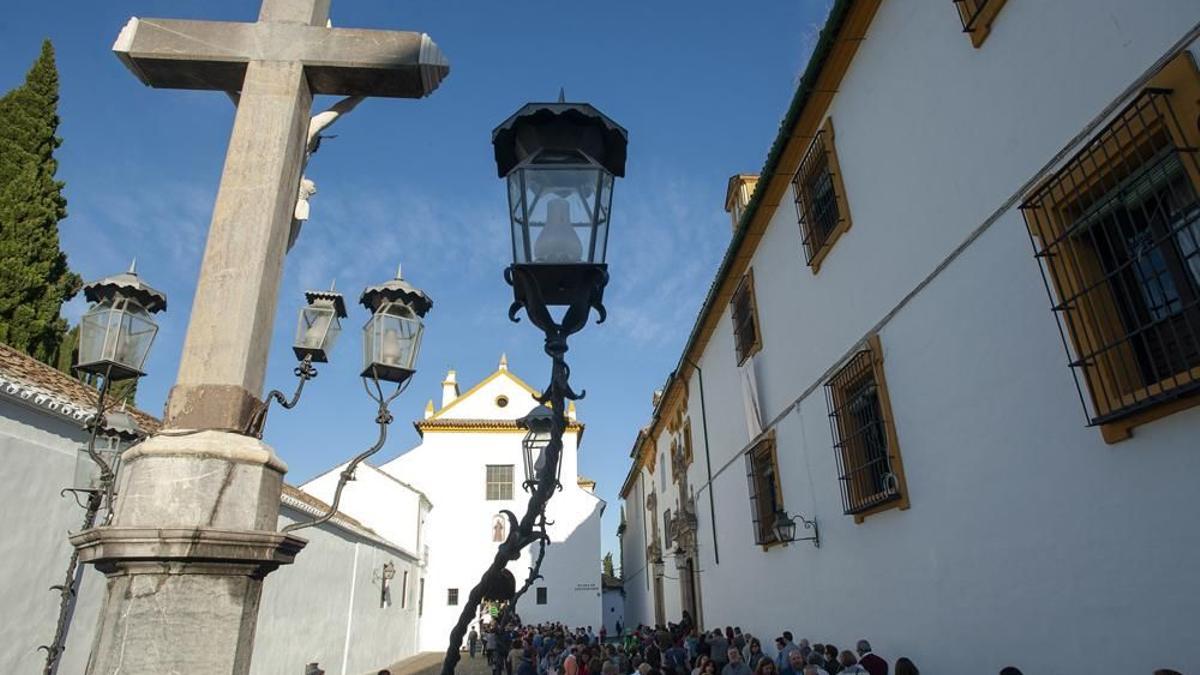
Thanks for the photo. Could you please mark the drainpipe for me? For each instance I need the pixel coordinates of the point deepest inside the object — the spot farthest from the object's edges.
(712, 509)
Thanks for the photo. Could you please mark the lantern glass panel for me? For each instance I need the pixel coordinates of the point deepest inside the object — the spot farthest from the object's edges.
(118, 333)
(87, 472)
(560, 211)
(535, 453)
(317, 331)
(391, 341)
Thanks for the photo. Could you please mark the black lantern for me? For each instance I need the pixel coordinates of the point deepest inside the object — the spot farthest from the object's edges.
(116, 332)
(392, 337)
(785, 527)
(559, 160)
(319, 325)
(118, 432)
(537, 424)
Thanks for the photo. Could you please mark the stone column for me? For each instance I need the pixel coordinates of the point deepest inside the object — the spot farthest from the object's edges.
(194, 530)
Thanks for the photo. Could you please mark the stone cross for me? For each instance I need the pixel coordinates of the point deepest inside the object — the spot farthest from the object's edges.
(277, 64)
(195, 527)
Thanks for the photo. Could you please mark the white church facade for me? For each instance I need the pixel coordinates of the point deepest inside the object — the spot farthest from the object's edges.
(468, 468)
(961, 336)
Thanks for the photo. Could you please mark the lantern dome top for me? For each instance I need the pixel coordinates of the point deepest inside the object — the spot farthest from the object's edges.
(121, 425)
(127, 284)
(331, 296)
(538, 419)
(560, 126)
(396, 290)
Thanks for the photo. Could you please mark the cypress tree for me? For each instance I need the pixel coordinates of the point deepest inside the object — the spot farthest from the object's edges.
(34, 278)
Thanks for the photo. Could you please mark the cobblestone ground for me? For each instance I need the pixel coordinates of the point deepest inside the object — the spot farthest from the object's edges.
(430, 663)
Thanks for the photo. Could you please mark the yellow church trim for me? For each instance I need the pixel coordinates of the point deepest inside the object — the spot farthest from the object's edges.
(499, 372)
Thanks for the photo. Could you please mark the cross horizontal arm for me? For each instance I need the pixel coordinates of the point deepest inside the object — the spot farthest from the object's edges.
(181, 54)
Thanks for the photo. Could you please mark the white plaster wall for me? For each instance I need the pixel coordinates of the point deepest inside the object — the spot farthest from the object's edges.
(634, 570)
(1029, 539)
(614, 610)
(378, 500)
(37, 453)
(449, 467)
(326, 607)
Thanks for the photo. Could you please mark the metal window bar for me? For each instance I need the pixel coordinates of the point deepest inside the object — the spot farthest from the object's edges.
(764, 502)
(860, 436)
(1116, 232)
(816, 198)
(969, 12)
(744, 333)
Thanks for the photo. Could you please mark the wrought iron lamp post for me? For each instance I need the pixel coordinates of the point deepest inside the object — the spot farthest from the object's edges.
(115, 336)
(317, 329)
(785, 529)
(391, 342)
(538, 425)
(559, 161)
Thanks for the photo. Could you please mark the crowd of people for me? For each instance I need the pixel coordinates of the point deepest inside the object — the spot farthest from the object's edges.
(677, 649)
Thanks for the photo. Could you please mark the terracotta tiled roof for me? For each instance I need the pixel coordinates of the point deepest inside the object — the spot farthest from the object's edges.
(58, 392)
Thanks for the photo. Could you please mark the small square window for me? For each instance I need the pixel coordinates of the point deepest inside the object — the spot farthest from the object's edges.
(820, 198)
(541, 595)
(744, 311)
(499, 482)
(977, 17)
(864, 436)
(452, 596)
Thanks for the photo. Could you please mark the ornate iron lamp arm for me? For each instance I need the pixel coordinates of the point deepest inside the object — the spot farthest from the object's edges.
(102, 496)
(305, 372)
(67, 590)
(383, 418)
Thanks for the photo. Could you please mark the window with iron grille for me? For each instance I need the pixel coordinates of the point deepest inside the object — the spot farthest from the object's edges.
(1117, 233)
(404, 591)
(541, 595)
(977, 17)
(864, 437)
(499, 482)
(766, 498)
(744, 311)
(820, 198)
(452, 596)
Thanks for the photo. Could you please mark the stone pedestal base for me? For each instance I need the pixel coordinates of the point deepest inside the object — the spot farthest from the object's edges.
(192, 539)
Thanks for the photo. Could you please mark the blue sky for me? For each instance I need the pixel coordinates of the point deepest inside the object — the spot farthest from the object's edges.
(700, 85)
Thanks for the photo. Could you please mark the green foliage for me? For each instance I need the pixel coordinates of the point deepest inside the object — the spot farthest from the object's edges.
(34, 278)
(608, 564)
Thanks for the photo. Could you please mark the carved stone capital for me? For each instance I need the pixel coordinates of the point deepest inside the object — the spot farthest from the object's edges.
(116, 551)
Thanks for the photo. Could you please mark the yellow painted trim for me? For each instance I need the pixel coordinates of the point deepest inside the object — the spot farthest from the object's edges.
(503, 371)
(424, 426)
(983, 23)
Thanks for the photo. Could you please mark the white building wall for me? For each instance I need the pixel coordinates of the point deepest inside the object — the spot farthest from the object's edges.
(614, 610)
(37, 451)
(634, 570)
(1029, 540)
(327, 607)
